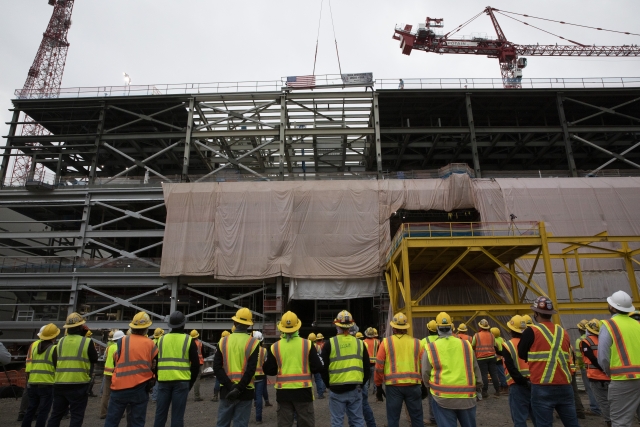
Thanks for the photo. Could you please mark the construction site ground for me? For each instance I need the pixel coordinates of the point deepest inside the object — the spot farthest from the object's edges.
(492, 412)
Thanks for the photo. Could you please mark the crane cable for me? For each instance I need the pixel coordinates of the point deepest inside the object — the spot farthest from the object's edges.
(334, 37)
(538, 28)
(461, 26)
(315, 57)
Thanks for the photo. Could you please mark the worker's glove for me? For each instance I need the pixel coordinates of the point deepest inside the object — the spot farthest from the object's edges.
(234, 394)
(379, 393)
(479, 392)
(424, 390)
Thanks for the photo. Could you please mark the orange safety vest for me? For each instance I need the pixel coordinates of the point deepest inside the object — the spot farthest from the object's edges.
(593, 373)
(261, 356)
(549, 366)
(199, 346)
(523, 367)
(402, 361)
(319, 346)
(372, 345)
(133, 362)
(465, 337)
(485, 345)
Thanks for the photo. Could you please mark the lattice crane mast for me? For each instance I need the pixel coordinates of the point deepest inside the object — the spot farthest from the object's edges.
(510, 55)
(43, 81)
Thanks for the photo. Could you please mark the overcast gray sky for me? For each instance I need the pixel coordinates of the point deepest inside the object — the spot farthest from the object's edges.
(163, 41)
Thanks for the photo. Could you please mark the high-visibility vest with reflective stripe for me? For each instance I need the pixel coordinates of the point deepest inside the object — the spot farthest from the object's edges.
(133, 362)
(109, 362)
(465, 337)
(593, 373)
(424, 342)
(42, 369)
(523, 367)
(345, 360)
(625, 351)
(292, 357)
(452, 376)
(261, 356)
(402, 362)
(549, 356)
(485, 345)
(73, 364)
(236, 349)
(499, 344)
(200, 357)
(173, 357)
(372, 345)
(33, 345)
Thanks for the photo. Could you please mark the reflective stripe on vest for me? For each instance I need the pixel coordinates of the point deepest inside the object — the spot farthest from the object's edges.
(625, 355)
(465, 337)
(292, 357)
(42, 369)
(199, 346)
(33, 345)
(402, 363)
(523, 367)
(499, 344)
(345, 360)
(109, 362)
(173, 357)
(452, 375)
(236, 350)
(372, 348)
(554, 358)
(73, 364)
(485, 345)
(261, 356)
(133, 362)
(593, 373)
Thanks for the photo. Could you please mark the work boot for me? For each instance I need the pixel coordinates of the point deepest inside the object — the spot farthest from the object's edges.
(20, 416)
(485, 394)
(266, 403)
(608, 423)
(215, 397)
(497, 393)
(198, 399)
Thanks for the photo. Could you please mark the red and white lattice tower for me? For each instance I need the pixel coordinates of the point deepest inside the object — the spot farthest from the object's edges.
(43, 81)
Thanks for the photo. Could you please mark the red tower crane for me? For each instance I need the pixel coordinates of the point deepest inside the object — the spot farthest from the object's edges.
(509, 55)
(43, 81)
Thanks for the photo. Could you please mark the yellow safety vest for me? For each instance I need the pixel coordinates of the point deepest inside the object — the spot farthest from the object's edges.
(33, 345)
(292, 357)
(236, 349)
(345, 360)
(173, 357)
(42, 369)
(424, 342)
(625, 351)
(109, 364)
(73, 360)
(499, 344)
(452, 376)
(402, 363)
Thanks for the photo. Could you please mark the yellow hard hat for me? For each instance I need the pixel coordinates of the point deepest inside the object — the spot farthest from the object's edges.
(89, 334)
(370, 332)
(344, 319)
(289, 323)
(49, 332)
(110, 335)
(194, 334)
(582, 325)
(527, 319)
(484, 324)
(311, 337)
(517, 324)
(158, 333)
(359, 335)
(129, 331)
(443, 319)
(244, 316)
(140, 321)
(432, 326)
(225, 334)
(375, 331)
(400, 321)
(73, 320)
(233, 328)
(462, 327)
(319, 337)
(495, 332)
(593, 326)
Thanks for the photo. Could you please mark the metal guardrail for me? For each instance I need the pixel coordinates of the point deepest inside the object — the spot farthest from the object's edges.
(489, 83)
(56, 264)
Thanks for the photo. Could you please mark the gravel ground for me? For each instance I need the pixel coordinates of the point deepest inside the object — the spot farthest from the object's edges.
(492, 412)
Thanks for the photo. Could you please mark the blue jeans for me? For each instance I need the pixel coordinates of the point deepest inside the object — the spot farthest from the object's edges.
(520, 405)
(321, 388)
(369, 419)
(372, 372)
(450, 417)
(411, 396)
(71, 398)
(40, 398)
(349, 402)
(154, 392)
(260, 386)
(501, 376)
(547, 398)
(175, 394)
(238, 411)
(593, 403)
(216, 386)
(136, 398)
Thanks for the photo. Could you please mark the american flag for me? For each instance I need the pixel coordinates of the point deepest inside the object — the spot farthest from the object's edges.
(301, 81)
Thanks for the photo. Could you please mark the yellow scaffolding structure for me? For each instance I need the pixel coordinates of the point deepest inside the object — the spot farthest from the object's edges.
(439, 248)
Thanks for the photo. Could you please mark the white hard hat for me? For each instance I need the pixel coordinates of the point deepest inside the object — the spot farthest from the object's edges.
(40, 331)
(258, 335)
(118, 335)
(621, 301)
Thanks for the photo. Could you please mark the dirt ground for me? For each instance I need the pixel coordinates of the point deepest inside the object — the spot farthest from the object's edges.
(492, 412)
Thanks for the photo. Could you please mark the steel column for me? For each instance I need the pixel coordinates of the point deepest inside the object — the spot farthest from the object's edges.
(474, 141)
(376, 126)
(187, 142)
(565, 135)
(94, 160)
(282, 136)
(7, 148)
(548, 269)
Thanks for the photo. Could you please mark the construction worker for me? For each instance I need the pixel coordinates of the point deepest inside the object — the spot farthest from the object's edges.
(235, 366)
(398, 366)
(484, 344)
(89, 335)
(499, 361)
(373, 343)
(216, 386)
(41, 376)
(321, 387)
(547, 348)
(619, 358)
(517, 375)
(178, 368)
(462, 332)
(109, 365)
(293, 360)
(76, 356)
(598, 380)
(345, 358)
(157, 333)
(579, 363)
(260, 380)
(133, 375)
(451, 373)
(636, 315)
(196, 386)
(527, 320)
(24, 402)
(432, 328)
(110, 343)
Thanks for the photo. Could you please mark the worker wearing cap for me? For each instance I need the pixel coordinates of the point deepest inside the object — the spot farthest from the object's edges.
(619, 357)
(579, 363)
(345, 358)
(517, 375)
(321, 387)
(260, 379)
(178, 368)
(547, 348)
(451, 373)
(235, 366)
(216, 386)
(41, 376)
(484, 344)
(499, 361)
(373, 344)
(196, 386)
(24, 402)
(597, 379)
(109, 365)
(293, 360)
(398, 366)
(76, 357)
(133, 375)
(462, 333)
